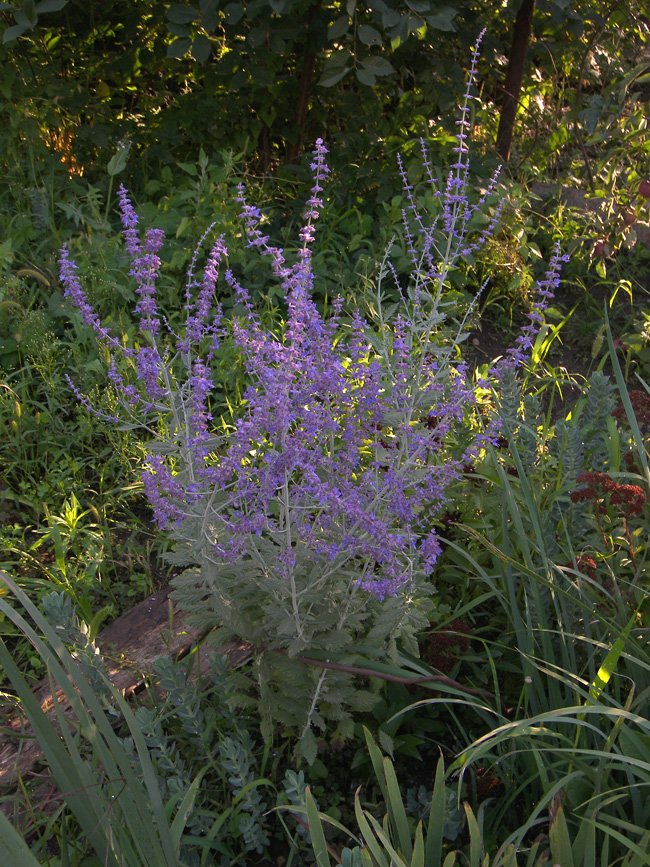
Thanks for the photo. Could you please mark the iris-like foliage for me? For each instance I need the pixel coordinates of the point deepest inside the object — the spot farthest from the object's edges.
(312, 520)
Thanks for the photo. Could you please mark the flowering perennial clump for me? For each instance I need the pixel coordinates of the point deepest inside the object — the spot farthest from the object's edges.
(604, 492)
(310, 520)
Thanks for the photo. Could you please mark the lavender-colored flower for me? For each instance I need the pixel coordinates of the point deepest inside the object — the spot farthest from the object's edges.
(72, 289)
(545, 290)
(199, 313)
(129, 223)
(146, 269)
(164, 492)
(150, 365)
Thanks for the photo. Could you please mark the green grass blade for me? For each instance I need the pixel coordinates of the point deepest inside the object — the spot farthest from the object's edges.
(475, 842)
(371, 825)
(369, 837)
(377, 763)
(611, 661)
(561, 849)
(640, 850)
(417, 859)
(397, 813)
(184, 808)
(316, 831)
(15, 850)
(436, 825)
(634, 859)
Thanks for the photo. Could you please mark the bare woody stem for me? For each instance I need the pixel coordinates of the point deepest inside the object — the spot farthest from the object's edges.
(392, 678)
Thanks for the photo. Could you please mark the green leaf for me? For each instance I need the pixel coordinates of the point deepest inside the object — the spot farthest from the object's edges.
(117, 162)
(386, 742)
(210, 19)
(390, 18)
(308, 746)
(191, 170)
(475, 842)
(180, 14)
(368, 35)
(337, 66)
(201, 49)
(6, 252)
(338, 28)
(238, 80)
(377, 762)
(277, 44)
(261, 76)
(369, 838)
(365, 77)
(27, 14)
(180, 819)
(420, 7)
(179, 47)
(399, 33)
(13, 32)
(257, 37)
(278, 6)
(234, 13)
(50, 6)
(378, 66)
(177, 30)
(443, 20)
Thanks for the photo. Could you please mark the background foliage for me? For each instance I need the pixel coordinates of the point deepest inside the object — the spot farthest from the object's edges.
(542, 602)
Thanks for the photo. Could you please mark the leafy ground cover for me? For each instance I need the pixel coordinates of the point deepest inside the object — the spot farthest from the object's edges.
(511, 726)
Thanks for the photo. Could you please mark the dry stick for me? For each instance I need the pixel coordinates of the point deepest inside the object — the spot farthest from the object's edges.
(392, 678)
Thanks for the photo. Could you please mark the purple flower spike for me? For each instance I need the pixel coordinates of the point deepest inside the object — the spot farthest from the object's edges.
(520, 353)
(146, 269)
(164, 492)
(72, 289)
(129, 223)
(149, 364)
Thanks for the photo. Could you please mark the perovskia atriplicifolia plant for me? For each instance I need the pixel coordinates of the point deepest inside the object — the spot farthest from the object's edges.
(308, 523)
